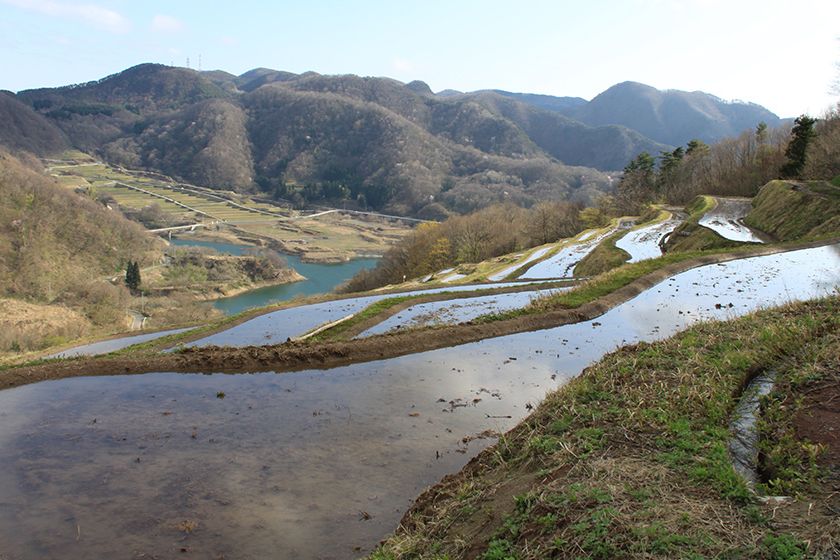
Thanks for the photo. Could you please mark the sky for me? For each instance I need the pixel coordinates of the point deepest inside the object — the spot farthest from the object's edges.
(782, 54)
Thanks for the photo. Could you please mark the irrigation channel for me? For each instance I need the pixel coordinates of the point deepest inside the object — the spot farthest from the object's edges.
(313, 464)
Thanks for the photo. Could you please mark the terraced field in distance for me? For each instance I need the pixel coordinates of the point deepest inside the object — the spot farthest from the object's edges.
(316, 235)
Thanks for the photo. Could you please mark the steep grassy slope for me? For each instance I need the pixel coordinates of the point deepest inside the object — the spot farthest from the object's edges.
(57, 247)
(630, 459)
(789, 211)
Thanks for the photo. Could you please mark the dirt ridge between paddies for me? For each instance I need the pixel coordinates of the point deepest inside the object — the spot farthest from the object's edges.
(296, 356)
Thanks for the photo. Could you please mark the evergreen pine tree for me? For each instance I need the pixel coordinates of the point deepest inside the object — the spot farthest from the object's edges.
(796, 152)
(132, 275)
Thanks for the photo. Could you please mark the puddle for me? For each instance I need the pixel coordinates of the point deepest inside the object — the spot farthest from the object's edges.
(743, 447)
(455, 311)
(106, 346)
(643, 243)
(562, 264)
(277, 326)
(727, 220)
(289, 466)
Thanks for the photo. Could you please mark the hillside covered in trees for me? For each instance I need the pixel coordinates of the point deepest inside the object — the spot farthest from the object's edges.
(364, 142)
(737, 166)
(57, 250)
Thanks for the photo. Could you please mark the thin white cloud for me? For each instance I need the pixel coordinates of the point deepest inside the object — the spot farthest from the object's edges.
(166, 24)
(228, 41)
(92, 14)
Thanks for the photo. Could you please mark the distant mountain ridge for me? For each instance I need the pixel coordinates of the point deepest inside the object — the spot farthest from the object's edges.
(672, 117)
(369, 141)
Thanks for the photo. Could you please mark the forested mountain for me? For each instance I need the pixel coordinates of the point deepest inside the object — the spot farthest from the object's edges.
(21, 128)
(372, 142)
(548, 102)
(671, 116)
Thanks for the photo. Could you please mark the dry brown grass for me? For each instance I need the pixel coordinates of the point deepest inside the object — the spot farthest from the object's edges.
(29, 326)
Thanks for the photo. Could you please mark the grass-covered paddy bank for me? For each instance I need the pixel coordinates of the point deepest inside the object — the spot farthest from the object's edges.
(630, 460)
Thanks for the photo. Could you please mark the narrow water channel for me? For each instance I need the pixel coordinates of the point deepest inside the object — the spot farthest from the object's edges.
(743, 447)
(312, 464)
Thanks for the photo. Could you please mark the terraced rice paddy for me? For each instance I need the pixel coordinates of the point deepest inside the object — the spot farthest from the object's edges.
(302, 465)
(324, 235)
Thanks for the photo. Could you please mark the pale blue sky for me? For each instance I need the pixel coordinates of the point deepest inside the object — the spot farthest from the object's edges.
(779, 53)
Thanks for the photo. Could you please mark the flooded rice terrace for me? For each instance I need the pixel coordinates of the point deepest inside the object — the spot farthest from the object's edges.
(112, 345)
(313, 464)
(451, 312)
(277, 326)
(643, 243)
(727, 220)
(562, 264)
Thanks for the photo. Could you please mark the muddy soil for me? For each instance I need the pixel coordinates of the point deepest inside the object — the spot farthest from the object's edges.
(817, 516)
(819, 422)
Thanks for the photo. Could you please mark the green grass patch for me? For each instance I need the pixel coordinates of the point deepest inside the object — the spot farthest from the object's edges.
(699, 206)
(374, 309)
(690, 236)
(789, 465)
(606, 256)
(789, 212)
(595, 288)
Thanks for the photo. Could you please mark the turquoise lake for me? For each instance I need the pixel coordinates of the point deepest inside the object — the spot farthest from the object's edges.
(320, 278)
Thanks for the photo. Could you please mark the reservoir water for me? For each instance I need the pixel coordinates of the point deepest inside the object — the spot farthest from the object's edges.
(320, 278)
